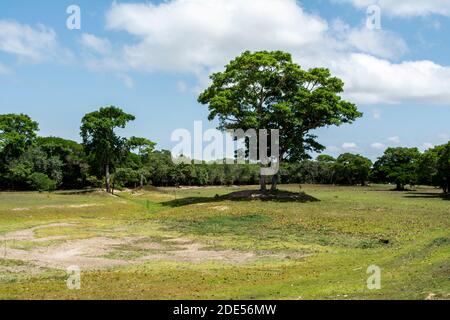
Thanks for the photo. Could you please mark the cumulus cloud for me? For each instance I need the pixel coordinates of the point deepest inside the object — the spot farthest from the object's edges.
(189, 35)
(406, 8)
(378, 146)
(201, 36)
(373, 80)
(394, 139)
(349, 146)
(380, 43)
(95, 44)
(27, 43)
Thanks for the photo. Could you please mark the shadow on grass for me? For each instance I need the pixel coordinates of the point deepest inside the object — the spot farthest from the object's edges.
(246, 195)
(76, 192)
(427, 195)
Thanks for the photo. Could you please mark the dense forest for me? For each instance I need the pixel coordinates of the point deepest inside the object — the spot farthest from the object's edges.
(31, 162)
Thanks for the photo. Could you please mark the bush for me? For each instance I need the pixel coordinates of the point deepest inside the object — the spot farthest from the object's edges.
(41, 182)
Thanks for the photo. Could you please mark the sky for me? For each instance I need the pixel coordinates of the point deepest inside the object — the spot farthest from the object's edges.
(153, 58)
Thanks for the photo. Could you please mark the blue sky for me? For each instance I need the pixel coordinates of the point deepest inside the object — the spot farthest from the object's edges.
(152, 59)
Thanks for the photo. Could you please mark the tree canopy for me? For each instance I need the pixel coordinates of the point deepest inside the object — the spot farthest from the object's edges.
(397, 165)
(267, 90)
(101, 141)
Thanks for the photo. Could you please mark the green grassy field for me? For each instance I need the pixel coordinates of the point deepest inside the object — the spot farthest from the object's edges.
(190, 244)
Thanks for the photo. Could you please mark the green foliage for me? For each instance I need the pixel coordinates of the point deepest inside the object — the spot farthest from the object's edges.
(71, 155)
(17, 133)
(398, 166)
(266, 90)
(41, 182)
(352, 169)
(434, 167)
(100, 141)
(126, 177)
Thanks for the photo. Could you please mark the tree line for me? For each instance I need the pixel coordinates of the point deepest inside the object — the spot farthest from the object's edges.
(257, 90)
(104, 159)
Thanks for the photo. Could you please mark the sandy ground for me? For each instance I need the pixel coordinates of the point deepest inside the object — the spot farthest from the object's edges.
(89, 254)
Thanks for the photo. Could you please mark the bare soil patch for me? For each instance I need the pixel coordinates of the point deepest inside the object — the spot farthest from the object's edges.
(92, 253)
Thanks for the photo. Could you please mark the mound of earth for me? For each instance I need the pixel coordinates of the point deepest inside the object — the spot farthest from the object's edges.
(278, 195)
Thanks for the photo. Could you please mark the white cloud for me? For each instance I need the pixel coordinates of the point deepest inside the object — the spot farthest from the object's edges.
(96, 44)
(394, 139)
(349, 146)
(406, 8)
(27, 43)
(373, 80)
(201, 36)
(190, 35)
(428, 145)
(380, 43)
(378, 146)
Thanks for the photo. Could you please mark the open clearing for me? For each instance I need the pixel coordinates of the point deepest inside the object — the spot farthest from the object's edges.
(194, 243)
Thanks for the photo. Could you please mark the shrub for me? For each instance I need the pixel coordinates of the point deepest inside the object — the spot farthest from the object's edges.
(41, 182)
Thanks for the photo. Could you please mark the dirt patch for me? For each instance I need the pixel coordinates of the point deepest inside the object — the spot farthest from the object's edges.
(82, 253)
(100, 252)
(221, 208)
(103, 253)
(197, 253)
(20, 209)
(29, 234)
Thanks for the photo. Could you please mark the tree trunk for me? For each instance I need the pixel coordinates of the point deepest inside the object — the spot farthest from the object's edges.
(274, 182)
(262, 182)
(108, 179)
(142, 181)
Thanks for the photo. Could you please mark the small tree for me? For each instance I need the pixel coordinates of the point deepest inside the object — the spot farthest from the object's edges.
(144, 148)
(267, 90)
(41, 182)
(101, 142)
(352, 169)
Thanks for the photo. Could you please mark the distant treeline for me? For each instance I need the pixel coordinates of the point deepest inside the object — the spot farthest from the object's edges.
(29, 162)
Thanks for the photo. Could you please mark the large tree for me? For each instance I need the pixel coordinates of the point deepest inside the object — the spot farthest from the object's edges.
(100, 140)
(267, 90)
(397, 165)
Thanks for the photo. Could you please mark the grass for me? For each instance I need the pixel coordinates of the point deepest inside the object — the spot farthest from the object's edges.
(312, 250)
